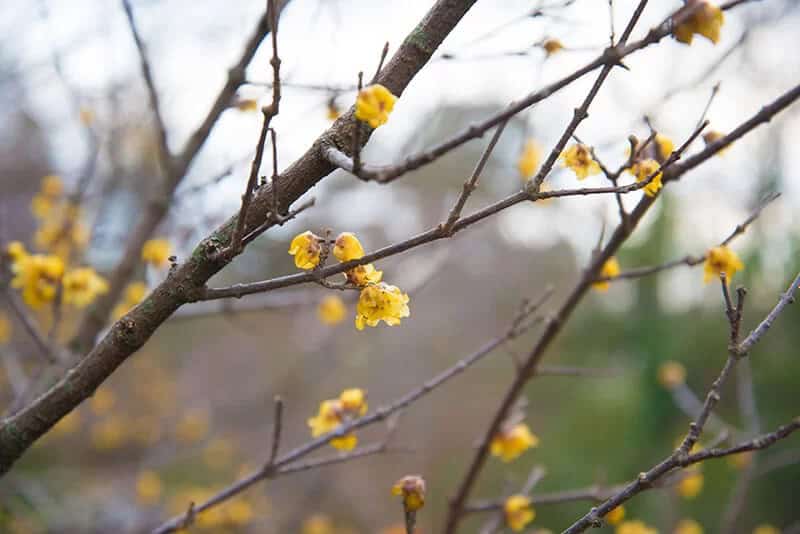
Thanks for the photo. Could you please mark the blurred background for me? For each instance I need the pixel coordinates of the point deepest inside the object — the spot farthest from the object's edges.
(192, 411)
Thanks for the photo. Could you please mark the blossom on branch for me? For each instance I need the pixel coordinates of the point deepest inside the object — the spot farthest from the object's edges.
(82, 286)
(351, 404)
(518, 512)
(511, 442)
(306, 249)
(642, 170)
(579, 158)
(610, 270)
(363, 275)
(381, 302)
(412, 489)
(706, 19)
(721, 260)
(374, 104)
(37, 275)
(347, 247)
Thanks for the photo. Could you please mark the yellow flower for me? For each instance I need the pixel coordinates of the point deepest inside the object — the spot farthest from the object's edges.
(192, 427)
(529, 159)
(766, 529)
(82, 286)
(5, 329)
(148, 488)
(671, 374)
(108, 434)
(643, 170)
(610, 270)
(318, 524)
(691, 485)
(347, 247)
(333, 412)
(706, 20)
(579, 158)
(363, 275)
(634, 527)
(509, 443)
(616, 515)
(721, 260)
(306, 250)
(354, 400)
(37, 275)
(712, 137)
(249, 104)
(518, 512)
(373, 105)
(551, 46)
(103, 400)
(665, 146)
(331, 310)
(381, 302)
(156, 252)
(688, 526)
(412, 489)
(134, 294)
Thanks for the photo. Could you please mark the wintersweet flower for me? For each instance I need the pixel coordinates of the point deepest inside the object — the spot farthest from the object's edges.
(551, 46)
(518, 512)
(610, 270)
(706, 19)
(363, 275)
(721, 260)
(331, 310)
(579, 158)
(374, 104)
(688, 526)
(509, 443)
(156, 252)
(37, 275)
(347, 247)
(306, 249)
(691, 485)
(82, 286)
(412, 489)
(529, 159)
(642, 170)
(616, 515)
(635, 527)
(665, 146)
(351, 404)
(671, 374)
(381, 302)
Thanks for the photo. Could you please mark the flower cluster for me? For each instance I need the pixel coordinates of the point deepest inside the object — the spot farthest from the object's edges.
(518, 512)
(579, 158)
(512, 441)
(377, 301)
(374, 104)
(352, 403)
(36, 275)
(721, 260)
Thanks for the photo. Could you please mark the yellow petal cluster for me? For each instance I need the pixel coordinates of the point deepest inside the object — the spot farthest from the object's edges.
(306, 249)
(706, 19)
(688, 526)
(363, 275)
(671, 374)
(352, 403)
(347, 247)
(156, 252)
(381, 302)
(331, 310)
(610, 270)
(665, 146)
(134, 294)
(37, 275)
(721, 260)
(518, 512)
(579, 158)
(529, 160)
(374, 104)
(642, 170)
(635, 527)
(509, 443)
(82, 286)
(412, 489)
(616, 515)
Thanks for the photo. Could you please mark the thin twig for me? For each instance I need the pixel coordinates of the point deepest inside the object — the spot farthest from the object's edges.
(276, 430)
